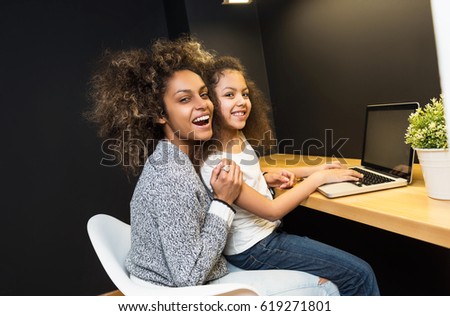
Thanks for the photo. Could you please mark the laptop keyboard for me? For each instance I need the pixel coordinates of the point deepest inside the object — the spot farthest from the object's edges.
(370, 178)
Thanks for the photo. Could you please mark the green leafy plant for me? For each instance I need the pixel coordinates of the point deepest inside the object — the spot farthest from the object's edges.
(426, 128)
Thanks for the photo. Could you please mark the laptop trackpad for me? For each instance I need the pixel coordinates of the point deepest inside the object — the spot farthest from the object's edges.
(333, 189)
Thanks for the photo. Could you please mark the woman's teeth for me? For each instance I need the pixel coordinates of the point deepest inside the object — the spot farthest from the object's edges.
(202, 120)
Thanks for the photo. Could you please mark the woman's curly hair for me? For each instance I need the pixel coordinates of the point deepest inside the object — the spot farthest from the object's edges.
(258, 129)
(127, 94)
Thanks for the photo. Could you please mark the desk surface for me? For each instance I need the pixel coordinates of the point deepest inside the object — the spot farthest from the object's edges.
(407, 211)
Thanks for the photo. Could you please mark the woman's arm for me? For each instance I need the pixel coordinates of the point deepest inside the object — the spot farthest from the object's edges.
(256, 203)
(191, 246)
(192, 243)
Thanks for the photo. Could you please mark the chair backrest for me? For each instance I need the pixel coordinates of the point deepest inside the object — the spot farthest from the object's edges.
(111, 240)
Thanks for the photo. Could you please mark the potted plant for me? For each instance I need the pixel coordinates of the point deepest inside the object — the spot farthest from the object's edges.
(427, 134)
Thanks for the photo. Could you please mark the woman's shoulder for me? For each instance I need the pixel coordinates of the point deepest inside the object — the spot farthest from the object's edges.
(167, 172)
(159, 184)
(168, 158)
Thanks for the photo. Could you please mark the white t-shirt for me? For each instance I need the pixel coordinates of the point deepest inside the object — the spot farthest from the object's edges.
(247, 229)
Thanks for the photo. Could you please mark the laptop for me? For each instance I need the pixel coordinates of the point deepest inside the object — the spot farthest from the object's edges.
(386, 160)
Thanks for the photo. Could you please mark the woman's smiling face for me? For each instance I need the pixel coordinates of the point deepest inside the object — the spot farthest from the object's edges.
(189, 110)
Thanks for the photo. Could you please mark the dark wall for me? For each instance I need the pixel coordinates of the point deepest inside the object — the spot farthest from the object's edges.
(52, 180)
(327, 59)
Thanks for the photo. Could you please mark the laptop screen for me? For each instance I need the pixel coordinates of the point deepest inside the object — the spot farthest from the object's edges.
(384, 147)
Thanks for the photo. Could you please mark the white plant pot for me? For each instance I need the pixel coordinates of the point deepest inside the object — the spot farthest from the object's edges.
(435, 164)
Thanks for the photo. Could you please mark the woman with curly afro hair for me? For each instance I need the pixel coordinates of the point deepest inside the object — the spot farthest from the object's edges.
(158, 100)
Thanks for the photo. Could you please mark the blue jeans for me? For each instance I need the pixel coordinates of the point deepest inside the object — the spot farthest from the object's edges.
(352, 275)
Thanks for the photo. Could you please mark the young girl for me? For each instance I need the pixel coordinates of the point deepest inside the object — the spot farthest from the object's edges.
(178, 231)
(254, 241)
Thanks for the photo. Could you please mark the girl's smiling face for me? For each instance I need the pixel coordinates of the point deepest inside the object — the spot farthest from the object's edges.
(234, 102)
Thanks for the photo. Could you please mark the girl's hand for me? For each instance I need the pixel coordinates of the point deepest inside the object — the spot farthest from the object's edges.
(226, 181)
(335, 175)
(332, 165)
(309, 170)
(282, 179)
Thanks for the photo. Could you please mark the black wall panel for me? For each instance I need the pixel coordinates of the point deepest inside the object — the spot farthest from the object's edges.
(327, 59)
(50, 157)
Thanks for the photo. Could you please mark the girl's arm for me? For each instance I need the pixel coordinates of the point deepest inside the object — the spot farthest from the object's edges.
(306, 171)
(256, 203)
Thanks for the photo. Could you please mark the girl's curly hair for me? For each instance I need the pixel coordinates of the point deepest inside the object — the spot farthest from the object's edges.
(258, 129)
(127, 93)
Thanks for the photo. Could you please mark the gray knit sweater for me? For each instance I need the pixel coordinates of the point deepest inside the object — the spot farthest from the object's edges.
(177, 231)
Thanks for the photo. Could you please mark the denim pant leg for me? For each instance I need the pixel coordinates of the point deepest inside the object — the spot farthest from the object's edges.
(352, 275)
(279, 282)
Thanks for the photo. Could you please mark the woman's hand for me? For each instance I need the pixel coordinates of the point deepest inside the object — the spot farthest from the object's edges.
(226, 181)
(282, 179)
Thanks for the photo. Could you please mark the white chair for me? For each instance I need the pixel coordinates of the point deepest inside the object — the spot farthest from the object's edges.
(111, 240)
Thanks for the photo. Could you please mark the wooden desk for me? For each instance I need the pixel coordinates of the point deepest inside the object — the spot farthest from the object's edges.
(407, 211)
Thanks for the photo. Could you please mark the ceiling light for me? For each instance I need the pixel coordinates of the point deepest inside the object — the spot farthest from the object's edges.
(237, 1)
